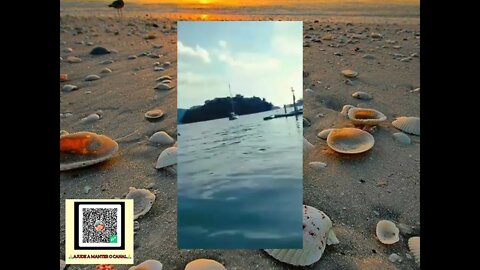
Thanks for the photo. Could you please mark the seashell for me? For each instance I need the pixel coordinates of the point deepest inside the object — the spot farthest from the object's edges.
(167, 158)
(132, 57)
(154, 114)
(390, 41)
(69, 87)
(204, 264)
(317, 165)
(409, 125)
(63, 132)
(167, 82)
(90, 119)
(345, 109)
(164, 78)
(397, 47)
(162, 86)
(349, 73)
(394, 258)
(317, 234)
(155, 56)
(402, 138)
(62, 264)
(67, 50)
(157, 46)
(167, 64)
(324, 133)
(328, 37)
(376, 35)
(368, 56)
(63, 77)
(92, 77)
(158, 69)
(106, 70)
(161, 137)
(107, 62)
(142, 201)
(307, 146)
(387, 232)
(99, 51)
(308, 90)
(350, 140)
(73, 59)
(89, 43)
(148, 265)
(364, 116)
(362, 95)
(414, 246)
(83, 149)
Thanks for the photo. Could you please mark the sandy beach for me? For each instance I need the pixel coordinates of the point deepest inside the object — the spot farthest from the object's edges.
(354, 191)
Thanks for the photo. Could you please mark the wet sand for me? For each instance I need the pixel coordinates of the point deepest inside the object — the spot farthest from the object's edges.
(354, 191)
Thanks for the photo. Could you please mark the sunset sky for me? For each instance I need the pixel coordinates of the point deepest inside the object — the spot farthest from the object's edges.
(262, 59)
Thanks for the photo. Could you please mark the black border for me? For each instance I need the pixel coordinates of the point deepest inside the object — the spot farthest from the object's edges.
(76, 226)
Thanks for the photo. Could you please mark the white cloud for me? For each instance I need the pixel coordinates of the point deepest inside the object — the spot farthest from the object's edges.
(198, 52)
(222, 43)
(249, 61)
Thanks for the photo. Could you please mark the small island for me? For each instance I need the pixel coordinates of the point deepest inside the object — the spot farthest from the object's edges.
(222, 107)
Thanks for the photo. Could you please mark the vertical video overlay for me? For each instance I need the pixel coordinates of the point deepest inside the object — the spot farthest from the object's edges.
(240, 134)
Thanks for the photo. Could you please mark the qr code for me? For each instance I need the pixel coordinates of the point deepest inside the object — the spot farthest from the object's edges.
(99, 225)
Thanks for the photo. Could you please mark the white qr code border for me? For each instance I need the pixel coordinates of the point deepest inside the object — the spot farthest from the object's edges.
(82, 207)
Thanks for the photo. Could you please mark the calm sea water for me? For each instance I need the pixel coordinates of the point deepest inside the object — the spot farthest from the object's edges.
(240, 183)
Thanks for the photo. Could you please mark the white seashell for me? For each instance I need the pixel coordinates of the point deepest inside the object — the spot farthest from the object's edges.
(390, 41)
(397, 47)
(163, 78)
(167, 158)
(90, 119)
(204, 264)
(307, 146)
(362, 95)
(402, 138)
(324, 133)
(106, 70)
(92, 77)
(308, 90)
(67, 50)
(73, 59)
(90, 43)
(364, 116)
(376, 35)
(62, 264)
(409, 125)
(148, 265)
(349, 73)
(162, 86)
(142, 201)
(317, 234)
(132, 57)
(345, 109)
(350, 140)
(107, 62)
(154, 114)
(414, 246)
(317, 165)
(69, 87)
(167, 82)
(157, 46)
(387, 232)
(158, 69)
(167, 64)
(161, 137)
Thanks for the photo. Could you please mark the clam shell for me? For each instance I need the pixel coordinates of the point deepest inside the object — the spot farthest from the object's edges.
(161, 137)
(349, 73)
(317, 234)
(364, 116)
(148, 265)
(387, 232)
(324, 133)
(350, 140)
(73, 59)
(92, 77)
(83, 149)
(154, 114)
(328, 37)
(408, 124)
(69, 87)
(402, 138)
(107, 62)
(167, 158)
(163, 78)
(362, 95)
(99, 51)
(142, 201)
(307, 146)
(67, 50)
(414, 246)
(317, 165)
(90, 119)
(204, 264)
(376, 35)
(158, 69)
(106, 70)
(345, 109)
(163, 86)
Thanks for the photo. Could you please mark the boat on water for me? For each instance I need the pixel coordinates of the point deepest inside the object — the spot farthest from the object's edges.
(232, 115)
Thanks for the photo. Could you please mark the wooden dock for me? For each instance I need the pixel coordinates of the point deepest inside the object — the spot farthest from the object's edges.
(283, 115)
